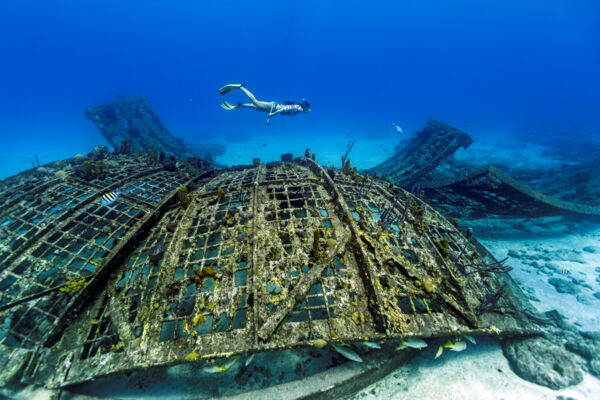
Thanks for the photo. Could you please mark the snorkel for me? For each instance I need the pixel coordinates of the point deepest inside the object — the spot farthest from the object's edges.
(305, 106)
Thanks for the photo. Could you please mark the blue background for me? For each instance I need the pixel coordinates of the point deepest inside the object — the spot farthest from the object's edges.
(522, 68)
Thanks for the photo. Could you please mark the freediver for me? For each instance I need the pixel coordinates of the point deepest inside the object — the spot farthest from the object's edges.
(290, 108)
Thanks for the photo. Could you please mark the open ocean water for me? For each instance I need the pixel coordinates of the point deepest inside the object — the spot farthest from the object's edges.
(521, 78)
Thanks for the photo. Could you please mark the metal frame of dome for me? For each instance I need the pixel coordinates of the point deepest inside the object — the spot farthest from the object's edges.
(263, 258)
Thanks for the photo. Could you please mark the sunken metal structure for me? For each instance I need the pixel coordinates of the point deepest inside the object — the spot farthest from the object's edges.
(425, 163)
(423, 153)
(194, 265)
(130, 125)
(488, 192)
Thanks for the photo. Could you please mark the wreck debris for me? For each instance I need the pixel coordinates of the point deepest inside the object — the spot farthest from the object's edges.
(423, 153)
(488, 192)
(130, 125)
(578, 183)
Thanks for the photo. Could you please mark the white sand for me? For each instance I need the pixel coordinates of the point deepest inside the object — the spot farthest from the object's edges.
(565, 251)
(479, 372)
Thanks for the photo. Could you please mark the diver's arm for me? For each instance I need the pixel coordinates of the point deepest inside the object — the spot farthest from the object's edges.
(277, 110)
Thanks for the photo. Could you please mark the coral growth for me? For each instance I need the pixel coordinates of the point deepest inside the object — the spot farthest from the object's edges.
(220, 194)
(95, 170)
(152, 155)
(184, 198)
(125, 147)
(442, 246)
(201, 274)
(316, 238)
(61, 174)
(72, 286)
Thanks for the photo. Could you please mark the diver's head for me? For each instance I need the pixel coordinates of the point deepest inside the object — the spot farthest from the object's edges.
(305, 106)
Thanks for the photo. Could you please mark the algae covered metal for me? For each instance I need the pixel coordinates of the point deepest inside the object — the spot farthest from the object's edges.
(196, 265)
(489, 192)
(426, 150)
(130, 125)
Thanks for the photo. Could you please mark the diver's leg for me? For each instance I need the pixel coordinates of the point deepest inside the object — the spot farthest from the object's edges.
(265, 106)
(250, 95)
(230, 107)
(247, 105)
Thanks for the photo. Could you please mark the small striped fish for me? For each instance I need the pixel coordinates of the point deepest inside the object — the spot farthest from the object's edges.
(109, 198)
(564, 271)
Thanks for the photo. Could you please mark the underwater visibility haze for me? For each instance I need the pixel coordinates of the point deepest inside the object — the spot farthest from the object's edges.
(433, 233)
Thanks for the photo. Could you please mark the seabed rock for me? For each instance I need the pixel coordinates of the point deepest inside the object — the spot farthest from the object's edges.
(557, 359)
(564, 286)
(543, 362)
(591, 249)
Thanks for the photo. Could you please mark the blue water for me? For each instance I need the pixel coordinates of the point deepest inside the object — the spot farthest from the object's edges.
(503, 67)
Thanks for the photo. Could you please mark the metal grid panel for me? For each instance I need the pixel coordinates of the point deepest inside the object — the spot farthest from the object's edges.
(132, 119)
(119, 319)
(70, 253)
(410, 264)
(295, 207)
(102, 336)
(228, 181)
(52, 201)
(140, 273)
(65, 256)
(423, 153)
(207, 292)
(488, 192)
(25, 219)
(152, 189)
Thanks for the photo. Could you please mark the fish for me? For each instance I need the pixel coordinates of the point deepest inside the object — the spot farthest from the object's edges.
(470, 339)
(371, 345)
(439, 352)
(348, 353)
(459, 345)
(397, 128)
(412, 343)
(109, 198)
(564, 271)
(249, 360)
(213, 369)
(192, 356)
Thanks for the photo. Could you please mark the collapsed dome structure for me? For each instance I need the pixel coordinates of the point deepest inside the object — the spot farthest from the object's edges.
(196, 264)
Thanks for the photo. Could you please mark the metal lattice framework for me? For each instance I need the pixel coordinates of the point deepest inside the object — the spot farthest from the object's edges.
(488, 191)
(59, 239)
(264, 258)
(131, 119)
(423, 153)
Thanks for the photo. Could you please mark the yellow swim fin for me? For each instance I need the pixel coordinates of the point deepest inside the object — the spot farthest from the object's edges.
(228, 106)
(228, 88)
